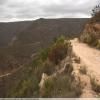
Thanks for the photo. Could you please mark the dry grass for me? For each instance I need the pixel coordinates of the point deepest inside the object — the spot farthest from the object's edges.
(95, 85)
(83, 69)
(62, 86)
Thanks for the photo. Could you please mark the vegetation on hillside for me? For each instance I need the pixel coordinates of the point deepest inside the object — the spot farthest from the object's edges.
(90, 39)
(95, 85)
(62, 85)
(95, 14)
(20, 40)
(91, 34)
(47, 60)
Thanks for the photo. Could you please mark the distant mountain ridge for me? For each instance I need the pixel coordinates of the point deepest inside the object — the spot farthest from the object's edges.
(32, 31)
(46, 29)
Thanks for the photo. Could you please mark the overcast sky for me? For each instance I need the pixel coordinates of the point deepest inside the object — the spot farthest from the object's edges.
(13, 10)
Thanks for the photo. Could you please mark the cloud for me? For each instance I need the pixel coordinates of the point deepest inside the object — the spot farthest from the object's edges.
(3, 2)
(30, 9)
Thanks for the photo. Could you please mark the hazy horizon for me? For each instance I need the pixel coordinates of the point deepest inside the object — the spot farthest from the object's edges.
(40, 18)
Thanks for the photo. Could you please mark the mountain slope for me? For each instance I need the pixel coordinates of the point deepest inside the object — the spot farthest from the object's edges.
(46, 29)
(9, 31)
(26, 38)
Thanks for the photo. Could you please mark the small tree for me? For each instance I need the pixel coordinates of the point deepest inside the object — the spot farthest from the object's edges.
(96, 10)
(96, 14)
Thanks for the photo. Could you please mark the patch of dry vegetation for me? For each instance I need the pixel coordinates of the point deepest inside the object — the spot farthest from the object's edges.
(90, 39)
(83, 69)
(91, 34)
(61, 86)
(95, 85)
(45, 62)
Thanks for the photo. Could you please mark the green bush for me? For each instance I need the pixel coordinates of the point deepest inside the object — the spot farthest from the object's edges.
(44, 54)
(49, 67)
(98, 44)
(25, 88)
(48, 86)
(58, 52)
(95, 14)
(59, 39)
(61, 86)
(28, 84)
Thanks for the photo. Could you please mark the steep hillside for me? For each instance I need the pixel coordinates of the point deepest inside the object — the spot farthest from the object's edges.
(48, 75)
(46, 29)
(91, 35)
(38, 64)
(9, 30)
(26, 38)
(52, 27)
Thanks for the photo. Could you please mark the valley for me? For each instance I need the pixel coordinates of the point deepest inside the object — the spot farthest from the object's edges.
(47, 58)
(31, 37)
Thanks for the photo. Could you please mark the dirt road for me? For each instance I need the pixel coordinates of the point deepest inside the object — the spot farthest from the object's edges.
(89, 56)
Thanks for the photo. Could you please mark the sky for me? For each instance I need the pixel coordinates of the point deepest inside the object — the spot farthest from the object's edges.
(17, 10)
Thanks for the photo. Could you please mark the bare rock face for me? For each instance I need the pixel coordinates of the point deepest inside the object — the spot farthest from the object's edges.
(43, 79)
(42, 82)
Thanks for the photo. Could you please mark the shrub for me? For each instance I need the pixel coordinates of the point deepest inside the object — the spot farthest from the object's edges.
(95, 85)
(44, 54)
(59, 39)
(87, 38)
(61, 86)
(49, 67)
(48, 86)
(98, 44)
(68, 68)
(96, 14)
(77, 60)
(58, 52)
(25, 88)
(30, 76)
(83, 70)
(90, 39)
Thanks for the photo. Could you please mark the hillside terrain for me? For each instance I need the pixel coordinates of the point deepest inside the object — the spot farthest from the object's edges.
(48, 29)
(91, 33)
(32, 63)
(9, 30)
(52, 62)
(27, 30)
(49, 57)
(44, 60)
(55, 72)
(20, 40)
(88, 50)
